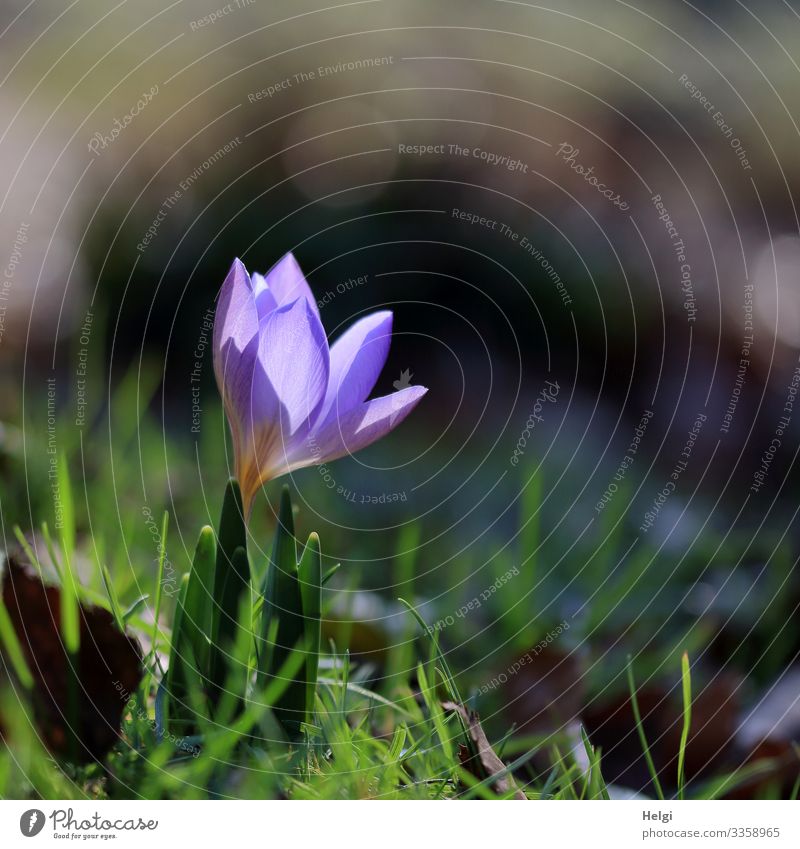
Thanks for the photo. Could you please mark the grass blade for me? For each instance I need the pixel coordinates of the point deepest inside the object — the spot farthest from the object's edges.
(13, 649)
(231, 582)
(310, 577)
(71, 636)
(686, 687)
(176, 714)
(159, 588)
(228, 584)
(29, 552)
(640, 729)
(112, 596)
(450, 684)
(200, 598)
(134, 608)
(283, 602)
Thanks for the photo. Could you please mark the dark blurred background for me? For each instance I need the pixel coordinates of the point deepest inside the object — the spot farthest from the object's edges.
(275, 153)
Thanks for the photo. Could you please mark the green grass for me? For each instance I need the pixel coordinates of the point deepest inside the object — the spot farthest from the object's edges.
(642, 736)
(283, 693)
(686, 690)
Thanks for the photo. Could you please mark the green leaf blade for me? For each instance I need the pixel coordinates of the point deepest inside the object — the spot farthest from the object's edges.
(231, 582)
(310, 576)
(200, 597)
(283, 603)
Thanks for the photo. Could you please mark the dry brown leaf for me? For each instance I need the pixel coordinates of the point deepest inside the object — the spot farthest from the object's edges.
(486, 764)
(109, 664)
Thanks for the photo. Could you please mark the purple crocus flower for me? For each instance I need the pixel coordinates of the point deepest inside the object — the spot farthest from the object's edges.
(290, 400)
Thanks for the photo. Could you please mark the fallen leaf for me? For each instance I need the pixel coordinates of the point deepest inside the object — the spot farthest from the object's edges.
(768, 731)
(547, 693)
(109, 665)
(610, 724)
(485, 765)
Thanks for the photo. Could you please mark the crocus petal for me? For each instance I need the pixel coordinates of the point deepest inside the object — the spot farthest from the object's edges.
(265, 299)
(236, 379)
(255, 414)
(260, 451)
(235, 376)
(356, 429)
(287, 283)
(357, 359)
(236, 315)
(293, 357)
